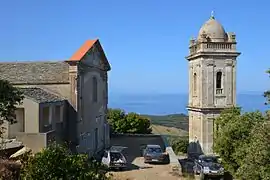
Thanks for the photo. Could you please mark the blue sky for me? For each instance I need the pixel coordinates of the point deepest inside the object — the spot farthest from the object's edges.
(145, 40)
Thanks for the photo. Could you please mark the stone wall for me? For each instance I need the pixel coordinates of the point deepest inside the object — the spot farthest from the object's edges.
(35, 141)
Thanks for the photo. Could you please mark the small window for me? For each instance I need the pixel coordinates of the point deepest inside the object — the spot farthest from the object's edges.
(218, 80)
(80, 97)
(195, 82)
(95, 89)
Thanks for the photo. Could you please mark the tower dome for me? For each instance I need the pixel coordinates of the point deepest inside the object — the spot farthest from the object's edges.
(213, 31)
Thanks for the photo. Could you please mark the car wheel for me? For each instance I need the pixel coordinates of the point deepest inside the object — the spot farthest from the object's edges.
(122, 168)
(166, 160)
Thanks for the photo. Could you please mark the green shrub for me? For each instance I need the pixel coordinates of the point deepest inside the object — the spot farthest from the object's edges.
(56, 163)
(120, 122)
(180, 145)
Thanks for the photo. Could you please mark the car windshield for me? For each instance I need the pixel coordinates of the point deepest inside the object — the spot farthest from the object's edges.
(209, 159)
(154, 150)
(116, 155)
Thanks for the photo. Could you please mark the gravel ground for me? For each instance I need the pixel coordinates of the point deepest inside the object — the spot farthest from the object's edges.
(141, 171)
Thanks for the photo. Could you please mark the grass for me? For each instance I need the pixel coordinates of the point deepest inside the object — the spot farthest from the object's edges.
(172, 124)
(159, 129)
(179, 121)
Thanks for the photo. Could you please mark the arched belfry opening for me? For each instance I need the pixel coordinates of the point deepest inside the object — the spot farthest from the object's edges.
(219, 83)
(219, 80)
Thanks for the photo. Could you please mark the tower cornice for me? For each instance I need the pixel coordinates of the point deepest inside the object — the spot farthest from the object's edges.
(212, 55)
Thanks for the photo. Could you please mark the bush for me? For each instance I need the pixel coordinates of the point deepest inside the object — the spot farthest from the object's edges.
(9, 170)
(180, 145)
(121, 122)
(56, 162)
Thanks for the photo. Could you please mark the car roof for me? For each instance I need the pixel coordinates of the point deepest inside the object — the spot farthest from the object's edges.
(153, 146)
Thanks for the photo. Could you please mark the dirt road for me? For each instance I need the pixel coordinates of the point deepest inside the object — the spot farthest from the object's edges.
(141, 171)
(137, 169)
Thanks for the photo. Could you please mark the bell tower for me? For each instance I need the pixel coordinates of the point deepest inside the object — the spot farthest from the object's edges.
(212, 80)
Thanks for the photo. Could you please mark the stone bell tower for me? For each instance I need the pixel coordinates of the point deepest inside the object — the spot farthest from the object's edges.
(212, 80)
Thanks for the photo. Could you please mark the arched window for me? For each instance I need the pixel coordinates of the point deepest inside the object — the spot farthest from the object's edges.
(95, 89)
(194, 82)
(219, 80)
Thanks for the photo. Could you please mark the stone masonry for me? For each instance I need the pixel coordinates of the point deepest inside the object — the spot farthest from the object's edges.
(212, 80)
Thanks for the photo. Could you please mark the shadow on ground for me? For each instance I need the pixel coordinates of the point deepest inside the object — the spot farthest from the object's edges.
(187, 167)
(131, 167)
(194, 151)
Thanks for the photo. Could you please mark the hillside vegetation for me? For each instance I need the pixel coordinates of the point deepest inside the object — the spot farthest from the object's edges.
(179, 121)
(172, 124)
(172, 131)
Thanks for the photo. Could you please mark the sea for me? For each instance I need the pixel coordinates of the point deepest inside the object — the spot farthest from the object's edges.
(164, 104)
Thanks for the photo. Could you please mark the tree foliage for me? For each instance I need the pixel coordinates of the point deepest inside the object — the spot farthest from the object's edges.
(121, 122)
(56, 163)
(9, 97)
(267, 93)
(233, 134)
(9, 169)
(242, 141)
(255, 164)
(180, 145)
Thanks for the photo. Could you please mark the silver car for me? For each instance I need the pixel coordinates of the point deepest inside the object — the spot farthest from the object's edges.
(113, 158)
(154, 153)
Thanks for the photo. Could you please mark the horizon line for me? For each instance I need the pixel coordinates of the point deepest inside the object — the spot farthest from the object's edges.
(180, 93)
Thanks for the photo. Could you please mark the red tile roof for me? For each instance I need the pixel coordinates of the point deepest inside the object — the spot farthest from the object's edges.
(78, 55)
(81, 52)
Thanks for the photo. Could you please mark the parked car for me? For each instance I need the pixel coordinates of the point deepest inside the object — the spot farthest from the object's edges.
(154, 153)
(113, 158)
(208, 166)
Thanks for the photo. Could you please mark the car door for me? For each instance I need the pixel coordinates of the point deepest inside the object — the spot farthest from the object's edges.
(196, 166)
(106, 158)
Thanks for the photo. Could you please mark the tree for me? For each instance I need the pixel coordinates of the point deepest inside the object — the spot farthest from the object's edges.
(117, 121)
(121, 122)
(56, 162)
(10, 96)
(180, 145)
(242, 141)
(267, 93)
(233, 135)
(255, 165)
(138, 124)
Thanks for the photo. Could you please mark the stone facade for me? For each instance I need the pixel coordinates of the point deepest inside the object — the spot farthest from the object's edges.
(212, 80)
(92, 100)
(74, 83)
